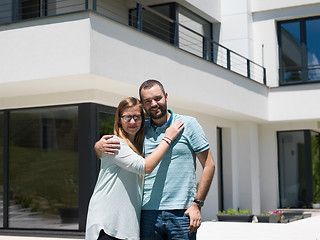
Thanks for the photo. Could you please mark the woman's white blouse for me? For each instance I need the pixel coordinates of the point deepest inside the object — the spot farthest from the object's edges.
(115, 204)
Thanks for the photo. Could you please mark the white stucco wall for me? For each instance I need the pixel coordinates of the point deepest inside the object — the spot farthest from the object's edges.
(211, 9)
(45, 48)
(236, 26)
(260, 5)
(294, 103)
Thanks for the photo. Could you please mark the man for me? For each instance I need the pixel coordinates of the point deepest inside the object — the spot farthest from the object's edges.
(171, 206)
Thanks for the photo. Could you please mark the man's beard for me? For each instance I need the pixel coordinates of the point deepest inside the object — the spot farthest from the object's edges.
(163, 111)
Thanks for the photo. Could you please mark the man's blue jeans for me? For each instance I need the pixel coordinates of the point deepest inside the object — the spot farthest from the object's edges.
(162, 224)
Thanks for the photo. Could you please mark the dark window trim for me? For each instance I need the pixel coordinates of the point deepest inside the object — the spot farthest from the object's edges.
(41, 107)
(6, 169)
(89, 165)
(220, 169)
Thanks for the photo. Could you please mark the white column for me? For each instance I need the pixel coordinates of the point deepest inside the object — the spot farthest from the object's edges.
(248, 188)
(236, 26)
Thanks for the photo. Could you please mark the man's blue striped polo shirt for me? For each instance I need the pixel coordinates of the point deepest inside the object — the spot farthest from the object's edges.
(172, 184)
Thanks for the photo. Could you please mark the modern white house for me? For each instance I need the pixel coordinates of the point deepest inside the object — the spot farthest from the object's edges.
(248, 70)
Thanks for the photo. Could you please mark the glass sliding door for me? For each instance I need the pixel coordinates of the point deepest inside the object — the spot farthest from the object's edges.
(43, 168)
(292, 168)
(48, 167)
(298, 153)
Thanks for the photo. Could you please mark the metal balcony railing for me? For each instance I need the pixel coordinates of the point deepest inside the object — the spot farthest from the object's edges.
(145, 18)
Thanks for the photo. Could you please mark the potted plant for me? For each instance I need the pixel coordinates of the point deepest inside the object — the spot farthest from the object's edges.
(270, 217)
(233, 215)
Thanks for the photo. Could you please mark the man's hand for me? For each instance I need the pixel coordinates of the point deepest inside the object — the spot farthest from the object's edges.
(194, 214)
(106, 146)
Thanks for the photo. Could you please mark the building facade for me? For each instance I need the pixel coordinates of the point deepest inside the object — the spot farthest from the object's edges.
(248, 70)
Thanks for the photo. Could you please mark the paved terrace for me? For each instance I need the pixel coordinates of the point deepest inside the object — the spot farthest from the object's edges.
(305, 229)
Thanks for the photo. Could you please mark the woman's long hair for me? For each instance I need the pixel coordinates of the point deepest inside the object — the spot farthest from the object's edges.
(137, 145)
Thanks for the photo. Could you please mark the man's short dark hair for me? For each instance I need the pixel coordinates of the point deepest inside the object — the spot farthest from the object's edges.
(149, 84)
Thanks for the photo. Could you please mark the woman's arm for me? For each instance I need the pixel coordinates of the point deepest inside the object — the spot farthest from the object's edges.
(127, 159)
(155, 157)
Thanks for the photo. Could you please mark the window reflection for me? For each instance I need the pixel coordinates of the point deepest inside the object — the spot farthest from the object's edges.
(106, 121)
(300, 51)
(298, 160)
(291, 154)
(43, 168)
(291, 51)
(313, 48)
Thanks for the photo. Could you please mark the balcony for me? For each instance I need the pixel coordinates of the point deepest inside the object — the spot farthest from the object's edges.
(190, 33)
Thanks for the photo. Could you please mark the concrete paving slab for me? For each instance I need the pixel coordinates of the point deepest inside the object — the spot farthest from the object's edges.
(305, 229)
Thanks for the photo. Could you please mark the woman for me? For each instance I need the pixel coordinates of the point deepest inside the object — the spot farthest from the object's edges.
(114, 209)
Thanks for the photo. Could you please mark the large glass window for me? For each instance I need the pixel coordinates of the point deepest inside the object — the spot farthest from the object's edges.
(43, 168)
(313, 48)
(299, 51)
(48, 167)
(291, 51)
(299, 165)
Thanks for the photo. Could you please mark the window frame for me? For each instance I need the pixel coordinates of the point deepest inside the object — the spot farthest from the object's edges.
(304, 54)
(308, 163)
(88, 165)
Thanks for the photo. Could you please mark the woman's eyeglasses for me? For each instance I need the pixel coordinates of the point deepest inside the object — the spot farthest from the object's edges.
(134, 117)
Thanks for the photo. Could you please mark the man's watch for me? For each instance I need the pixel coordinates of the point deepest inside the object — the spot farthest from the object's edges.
(199, 203)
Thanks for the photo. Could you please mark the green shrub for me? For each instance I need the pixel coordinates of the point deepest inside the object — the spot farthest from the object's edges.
(231, 211)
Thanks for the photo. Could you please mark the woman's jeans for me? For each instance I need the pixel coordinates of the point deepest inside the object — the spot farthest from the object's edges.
(162, 224)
